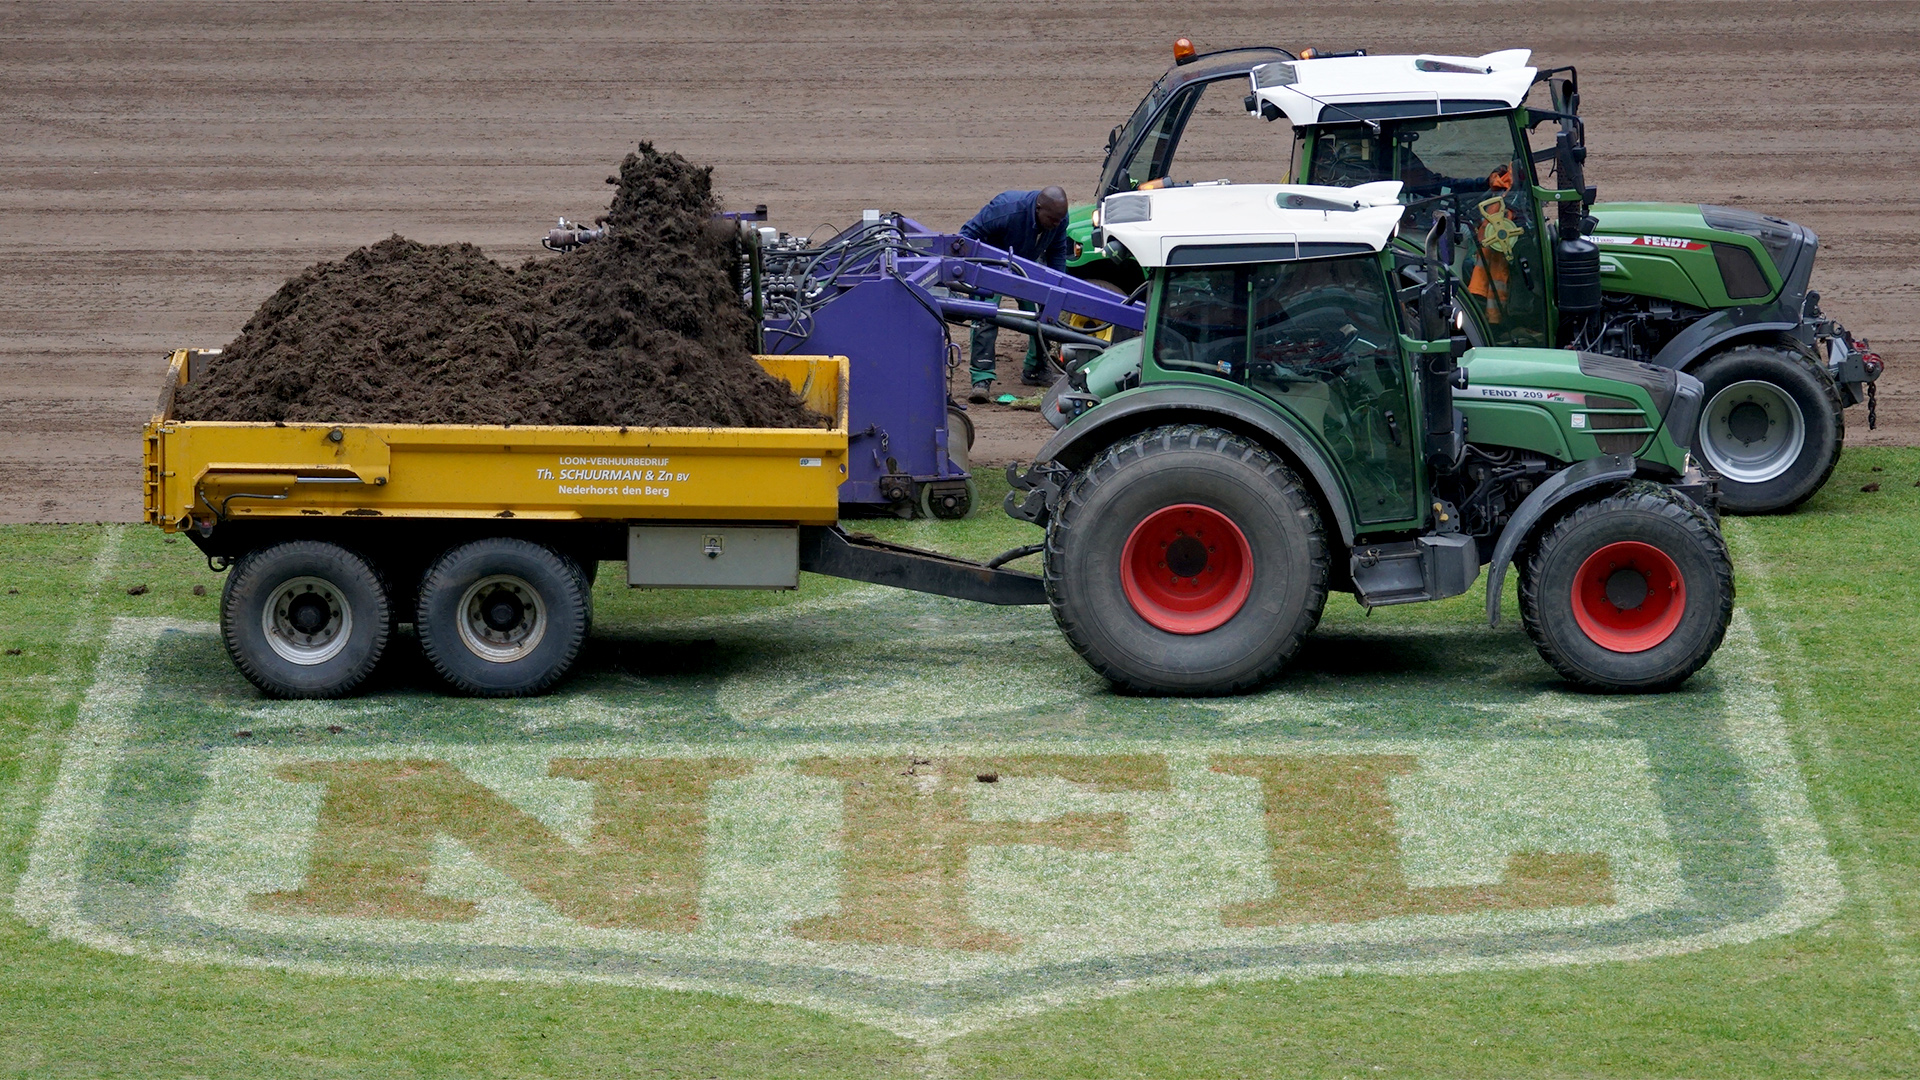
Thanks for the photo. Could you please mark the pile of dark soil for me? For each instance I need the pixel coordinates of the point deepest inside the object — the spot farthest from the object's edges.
(642, 329)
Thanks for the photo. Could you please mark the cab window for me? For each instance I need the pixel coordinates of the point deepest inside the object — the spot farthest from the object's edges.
(1207, 125)
(1432, 157)
(1318, 338)
(1202, 322)
(1475, 168)
(1154, 156)
(1324, 344)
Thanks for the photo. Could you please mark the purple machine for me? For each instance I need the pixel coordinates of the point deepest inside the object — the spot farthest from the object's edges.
(881, 294)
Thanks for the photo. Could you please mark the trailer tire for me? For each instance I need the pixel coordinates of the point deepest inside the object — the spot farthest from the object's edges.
(1628, 593)
(1250, 548)
(305, 619)
(503, 617)
(1772, 427)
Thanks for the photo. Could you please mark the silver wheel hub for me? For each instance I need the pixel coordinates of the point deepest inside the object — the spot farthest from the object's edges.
(501, 618)
(307, 621)
(1752, 431)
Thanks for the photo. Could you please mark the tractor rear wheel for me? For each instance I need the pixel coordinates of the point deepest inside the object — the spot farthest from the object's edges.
(305, 619)
(1629, 593)
(1186, 560)
(502, 617)
(1772, 427)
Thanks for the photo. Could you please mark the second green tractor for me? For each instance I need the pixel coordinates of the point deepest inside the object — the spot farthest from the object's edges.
(1499, 147)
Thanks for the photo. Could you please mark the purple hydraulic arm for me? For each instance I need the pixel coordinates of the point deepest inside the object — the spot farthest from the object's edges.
(970, 265)
(881, 295)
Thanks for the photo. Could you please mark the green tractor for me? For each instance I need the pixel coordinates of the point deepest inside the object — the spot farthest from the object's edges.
(1499, 147)
(1301, 420)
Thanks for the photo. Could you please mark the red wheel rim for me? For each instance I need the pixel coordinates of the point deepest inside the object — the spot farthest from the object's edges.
(1187, 569)
(1628, 597)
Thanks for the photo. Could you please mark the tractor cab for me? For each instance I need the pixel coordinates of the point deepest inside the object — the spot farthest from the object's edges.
(1452, 130)
(1201, 94)
(1141, 149)
(1497, 147)
(1293, 296)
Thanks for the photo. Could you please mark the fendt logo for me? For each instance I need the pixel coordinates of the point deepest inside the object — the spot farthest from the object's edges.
(741, 815)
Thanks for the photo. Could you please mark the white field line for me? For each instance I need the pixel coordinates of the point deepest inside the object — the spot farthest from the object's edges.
(1754, 730)
(1813, 726)
(47, 892)
(41, 742)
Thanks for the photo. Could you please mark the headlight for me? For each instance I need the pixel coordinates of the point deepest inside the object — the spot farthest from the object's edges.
(1278, 73)
(1120, 209)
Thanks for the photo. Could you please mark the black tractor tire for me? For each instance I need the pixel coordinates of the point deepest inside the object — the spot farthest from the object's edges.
(305, 619)
(1760, 400)
(1235, 515)
(503, 617)
(1592, 586)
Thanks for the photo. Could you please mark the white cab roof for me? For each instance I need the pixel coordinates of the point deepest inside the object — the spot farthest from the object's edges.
(1231, 223)
(1345, 80)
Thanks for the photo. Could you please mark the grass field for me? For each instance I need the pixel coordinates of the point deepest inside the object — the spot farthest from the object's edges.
(1719, 882)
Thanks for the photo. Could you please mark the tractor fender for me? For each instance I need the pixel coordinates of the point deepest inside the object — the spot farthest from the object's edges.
(1137, 410)
(1718, 329)
(1558, 488)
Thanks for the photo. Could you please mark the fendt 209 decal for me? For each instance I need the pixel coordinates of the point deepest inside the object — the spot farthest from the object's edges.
(931, 831)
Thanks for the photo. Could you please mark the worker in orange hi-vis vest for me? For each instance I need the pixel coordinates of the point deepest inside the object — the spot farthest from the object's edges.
(1496, 236)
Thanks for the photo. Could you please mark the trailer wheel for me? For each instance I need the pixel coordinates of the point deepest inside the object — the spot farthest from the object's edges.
(1772, 427)
(1629, 593)
(950, 504)
(1186, 560)
(305, 619)
(501, 617)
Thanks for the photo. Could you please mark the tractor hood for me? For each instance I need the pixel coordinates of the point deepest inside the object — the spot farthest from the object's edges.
(1729, 257)
(1666, 224)
(1573, 405)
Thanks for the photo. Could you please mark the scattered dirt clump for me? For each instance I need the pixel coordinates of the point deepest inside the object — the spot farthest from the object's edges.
(642, 329)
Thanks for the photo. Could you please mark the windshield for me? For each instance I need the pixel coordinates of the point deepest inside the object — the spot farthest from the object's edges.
(1430, 156)
(1475, 168)
(1206, 124)
(1129, 133)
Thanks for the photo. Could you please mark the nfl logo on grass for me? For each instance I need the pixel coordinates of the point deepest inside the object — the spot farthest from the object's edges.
(749, 817)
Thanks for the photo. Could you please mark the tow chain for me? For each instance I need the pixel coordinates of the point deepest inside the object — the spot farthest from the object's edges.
(1871, 366)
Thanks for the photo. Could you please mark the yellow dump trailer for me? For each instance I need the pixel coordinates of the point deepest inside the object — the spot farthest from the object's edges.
(487, 539)
(203, 472)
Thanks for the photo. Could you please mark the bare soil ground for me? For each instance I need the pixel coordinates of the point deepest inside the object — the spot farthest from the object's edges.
(169, 165)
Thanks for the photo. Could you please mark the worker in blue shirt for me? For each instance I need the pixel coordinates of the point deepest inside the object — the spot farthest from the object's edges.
(1032, 225)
